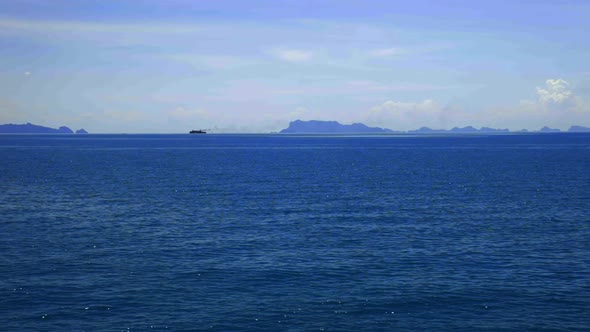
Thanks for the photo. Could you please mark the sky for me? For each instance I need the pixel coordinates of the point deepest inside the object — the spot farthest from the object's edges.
(169, 66)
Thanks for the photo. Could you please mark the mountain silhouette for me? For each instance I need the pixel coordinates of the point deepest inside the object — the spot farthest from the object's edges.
(330, 127)
(30, 128)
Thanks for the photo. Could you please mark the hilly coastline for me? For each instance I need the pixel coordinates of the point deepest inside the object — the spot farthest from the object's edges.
(29, 128)
(313, 127)
(334, 127)
(316, 126)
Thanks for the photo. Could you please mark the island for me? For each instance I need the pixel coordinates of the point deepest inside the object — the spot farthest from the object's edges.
(458, 130)
(549, 130)
(579, 129)
(334, 127)
(330, 127)
(29, 128)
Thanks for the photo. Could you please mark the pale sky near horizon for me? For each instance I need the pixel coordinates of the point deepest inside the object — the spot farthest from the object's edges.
(253, 66)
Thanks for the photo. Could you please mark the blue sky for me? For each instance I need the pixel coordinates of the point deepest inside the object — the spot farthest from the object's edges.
(253, 66)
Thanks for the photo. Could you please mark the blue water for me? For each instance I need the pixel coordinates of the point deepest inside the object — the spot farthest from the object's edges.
(294, 233)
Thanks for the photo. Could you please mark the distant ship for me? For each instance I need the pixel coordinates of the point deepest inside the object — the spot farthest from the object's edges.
(197, 132)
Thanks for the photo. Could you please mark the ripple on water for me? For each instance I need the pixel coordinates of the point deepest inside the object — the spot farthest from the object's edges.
(298, 233)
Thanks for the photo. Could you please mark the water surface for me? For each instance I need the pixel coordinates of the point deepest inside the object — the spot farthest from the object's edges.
(295, 233)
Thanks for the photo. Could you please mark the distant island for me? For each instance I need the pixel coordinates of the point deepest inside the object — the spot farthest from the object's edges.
(319, 127)
(549, 130)
(334, 127)
(30, 128)
(313, 127)
(468, 129)
(579, 129)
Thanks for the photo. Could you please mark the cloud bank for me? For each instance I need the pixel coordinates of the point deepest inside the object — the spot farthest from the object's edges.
(555, 106)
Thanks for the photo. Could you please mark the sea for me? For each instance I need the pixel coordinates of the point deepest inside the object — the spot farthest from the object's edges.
(295, 232)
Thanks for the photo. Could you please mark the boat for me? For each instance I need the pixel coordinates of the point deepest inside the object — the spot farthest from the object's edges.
(197, 132)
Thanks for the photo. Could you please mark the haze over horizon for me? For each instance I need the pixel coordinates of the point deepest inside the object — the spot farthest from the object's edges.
(236, 66)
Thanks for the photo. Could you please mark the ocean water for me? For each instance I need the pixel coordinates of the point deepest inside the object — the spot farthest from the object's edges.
(295, 233)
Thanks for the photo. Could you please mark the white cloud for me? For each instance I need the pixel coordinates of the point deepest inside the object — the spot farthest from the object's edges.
(292, 55)
(408, 115)
(555, 92)
(555, 106)
(386, 52)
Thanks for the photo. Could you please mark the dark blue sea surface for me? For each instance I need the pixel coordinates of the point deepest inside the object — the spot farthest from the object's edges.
(295, 233)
